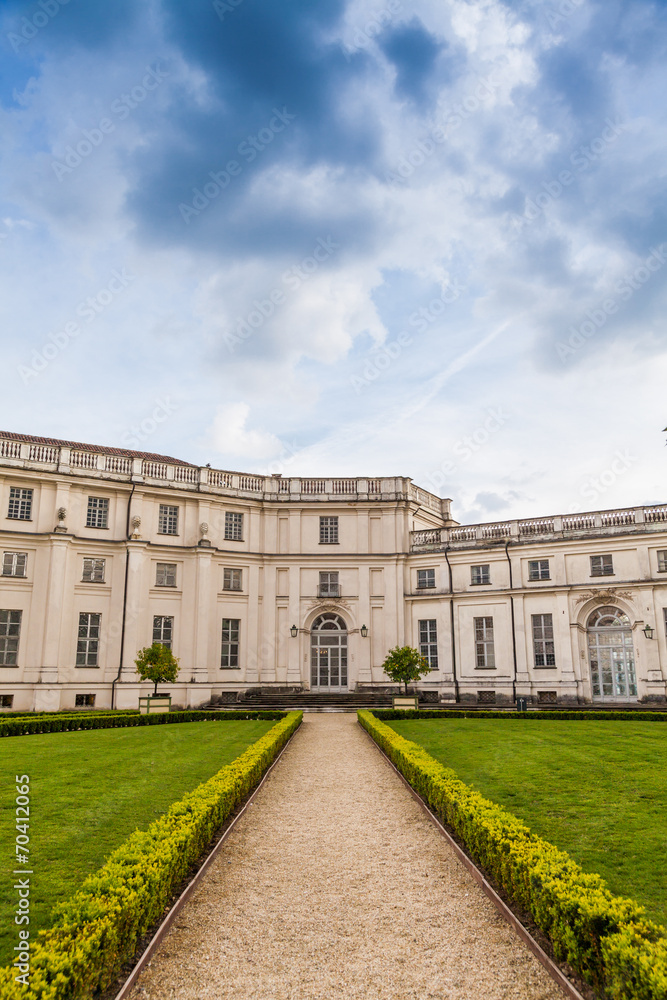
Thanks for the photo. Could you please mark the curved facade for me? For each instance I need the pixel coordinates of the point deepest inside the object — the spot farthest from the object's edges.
(306, 583)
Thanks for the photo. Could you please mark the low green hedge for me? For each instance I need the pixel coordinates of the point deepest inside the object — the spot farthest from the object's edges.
(606, 938)
(69, 723)
(461, 713)
(97, 930)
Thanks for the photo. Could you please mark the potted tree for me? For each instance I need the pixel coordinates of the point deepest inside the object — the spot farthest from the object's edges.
(156, 663)
(405, 664)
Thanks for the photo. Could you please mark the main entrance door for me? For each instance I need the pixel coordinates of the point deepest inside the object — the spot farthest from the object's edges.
(612, 656)
(328, 654)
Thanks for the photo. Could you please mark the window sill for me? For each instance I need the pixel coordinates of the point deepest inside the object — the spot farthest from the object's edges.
(482, 583)
(230, 668)
(597, 576)
(486, 668)
(98, 527)
(549, 666)
(231, 590)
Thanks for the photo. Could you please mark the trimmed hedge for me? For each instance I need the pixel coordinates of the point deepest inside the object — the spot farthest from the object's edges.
(70, 723)
(460, 713)
(97, 930)
(606, 938)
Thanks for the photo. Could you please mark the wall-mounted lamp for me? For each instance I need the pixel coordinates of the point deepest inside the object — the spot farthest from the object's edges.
(364, 631)
(294, 631)
(648, 631)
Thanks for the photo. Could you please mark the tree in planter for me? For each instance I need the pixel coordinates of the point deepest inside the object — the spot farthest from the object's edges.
(157, 663)
(404, 664)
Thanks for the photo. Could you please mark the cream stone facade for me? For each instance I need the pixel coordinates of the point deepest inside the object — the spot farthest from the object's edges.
(300, 583)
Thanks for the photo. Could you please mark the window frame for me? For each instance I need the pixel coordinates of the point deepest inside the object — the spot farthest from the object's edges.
(329, 587)
(605, 568)
(89, 701)
(539, 574)
(163, 565)
(84, 643)
(167, 518)
(94, 562)
(329, 529)
(428, 640)
(484, 638)
(662, 560)
(233, 526)
(230, 646)
(539, 628)
(163, 624)
(230, 574)
(10, 636)
(14, 560)
(484, 574)
(23, 502)
(424, 581)
(97, 511)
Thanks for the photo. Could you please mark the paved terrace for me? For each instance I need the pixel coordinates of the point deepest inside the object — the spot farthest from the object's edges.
(335, 885)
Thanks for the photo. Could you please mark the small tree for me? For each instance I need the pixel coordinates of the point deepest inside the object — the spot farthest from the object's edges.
(156, 663)
(403, 664)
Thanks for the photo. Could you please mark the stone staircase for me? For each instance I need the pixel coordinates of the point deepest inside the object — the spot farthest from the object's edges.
(291, 698)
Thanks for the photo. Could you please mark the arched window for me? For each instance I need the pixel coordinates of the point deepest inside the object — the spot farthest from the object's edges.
(611, 655)
(328, 653)
(329, 621)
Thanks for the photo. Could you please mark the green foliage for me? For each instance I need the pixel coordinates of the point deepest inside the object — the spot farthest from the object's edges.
(26, 726)
(157, 663)
(404, 664)
(606, 938)
(561, 715)
(97, 930)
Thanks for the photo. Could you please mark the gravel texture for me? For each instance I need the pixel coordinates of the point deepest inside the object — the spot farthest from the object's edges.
(335, 884)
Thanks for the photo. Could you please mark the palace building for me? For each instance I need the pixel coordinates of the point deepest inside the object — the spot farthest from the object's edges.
(276, 582)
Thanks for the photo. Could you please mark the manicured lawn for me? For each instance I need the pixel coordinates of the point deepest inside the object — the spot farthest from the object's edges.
(90, 790)
(598, 790)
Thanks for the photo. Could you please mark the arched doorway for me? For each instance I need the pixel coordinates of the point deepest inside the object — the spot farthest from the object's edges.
(328, 653)
(611, 655)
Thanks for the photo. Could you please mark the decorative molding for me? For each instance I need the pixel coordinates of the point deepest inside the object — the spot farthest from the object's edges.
(604, 596)
(324, 606)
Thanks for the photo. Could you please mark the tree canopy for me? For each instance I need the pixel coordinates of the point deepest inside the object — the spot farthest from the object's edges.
(404, 664)
(157, 663)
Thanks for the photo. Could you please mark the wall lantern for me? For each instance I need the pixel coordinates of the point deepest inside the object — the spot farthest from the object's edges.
(294, 631)
(648, 631)
(364, 631)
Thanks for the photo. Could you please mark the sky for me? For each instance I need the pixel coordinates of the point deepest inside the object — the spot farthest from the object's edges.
(424, 238)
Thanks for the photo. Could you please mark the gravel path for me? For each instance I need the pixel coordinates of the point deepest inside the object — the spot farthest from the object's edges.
(335, 884)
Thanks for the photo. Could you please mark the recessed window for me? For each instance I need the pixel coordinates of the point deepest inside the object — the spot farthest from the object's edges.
(662, 561)
(10, 633)
(88, 641)
(486, 697)
(14, 563)
(480, 574)
(485, 658)
(97, 515)
(233, 526)
(329, 585)
(93, 570)
(165, 575)
(231, 579)
(602, 566)
(425, 578)
(6, 700)
(328, 531)
(543, 640)
(84, 701)
(167, 520)
(229, 658)
(428, 641)
(163, 630)
(538, 569)
(20, 504)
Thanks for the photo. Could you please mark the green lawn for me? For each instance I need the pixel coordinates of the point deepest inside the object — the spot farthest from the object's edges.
(598, 790)
(90, 790)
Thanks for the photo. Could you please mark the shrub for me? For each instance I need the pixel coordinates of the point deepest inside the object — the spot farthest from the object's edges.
(25, 726)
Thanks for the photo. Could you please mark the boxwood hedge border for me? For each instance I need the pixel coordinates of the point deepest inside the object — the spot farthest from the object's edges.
(564, 715)
(71, 723)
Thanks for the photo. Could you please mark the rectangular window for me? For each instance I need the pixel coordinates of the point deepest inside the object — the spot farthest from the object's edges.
(428, 641)
(93, 570)
(486, 697)
(425, 578)
(165, 575)
(538, 569)
(6, 700)
(88, 642)
(10, 633)
(167, 520)
(233, 526)
(14, 563)
(664, 615)
(543, 640)
(602, 566)
(84, 700)
(97, 515)
(480, 574)
(230, 642)
(328, 531)
(547, 697)
(231, 579)
(329, 586)
(163, 630)
(20, 504)
(485, 658)
(662, 561)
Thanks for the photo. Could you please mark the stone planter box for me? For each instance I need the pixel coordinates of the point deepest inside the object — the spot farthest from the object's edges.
(154, 704)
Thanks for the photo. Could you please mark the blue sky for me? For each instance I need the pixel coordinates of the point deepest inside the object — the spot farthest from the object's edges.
(418, 238)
